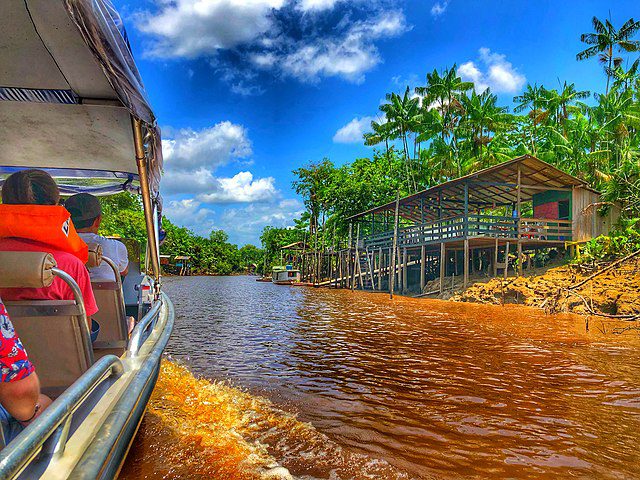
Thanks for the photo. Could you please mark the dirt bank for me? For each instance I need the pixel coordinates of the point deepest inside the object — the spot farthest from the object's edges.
(613, 293)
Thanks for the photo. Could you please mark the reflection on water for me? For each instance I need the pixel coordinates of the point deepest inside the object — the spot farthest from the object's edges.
(359, 386)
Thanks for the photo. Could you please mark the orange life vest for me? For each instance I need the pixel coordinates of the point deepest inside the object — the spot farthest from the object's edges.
(47, 224)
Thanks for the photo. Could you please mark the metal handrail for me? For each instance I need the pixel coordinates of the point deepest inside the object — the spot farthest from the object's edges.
(57, 417)
(135, 342)
(77, 294)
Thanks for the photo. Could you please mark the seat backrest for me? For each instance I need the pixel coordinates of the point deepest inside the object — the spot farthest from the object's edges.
(57, 342)
(111, 314)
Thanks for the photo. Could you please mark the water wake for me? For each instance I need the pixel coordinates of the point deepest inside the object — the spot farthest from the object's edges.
(195, 428)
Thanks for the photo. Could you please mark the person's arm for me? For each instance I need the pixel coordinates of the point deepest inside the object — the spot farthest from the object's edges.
(123, 259)
(20, 397)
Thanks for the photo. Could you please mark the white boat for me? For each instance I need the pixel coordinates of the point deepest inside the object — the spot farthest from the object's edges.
(72, 103)
(285, 275)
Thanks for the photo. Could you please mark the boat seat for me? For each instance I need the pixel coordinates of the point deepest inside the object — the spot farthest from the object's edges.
(111, 314)
(55, 333)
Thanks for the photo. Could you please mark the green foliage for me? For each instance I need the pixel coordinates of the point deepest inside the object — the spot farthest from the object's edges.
(123, 216)
(445, 129)
(623, 240)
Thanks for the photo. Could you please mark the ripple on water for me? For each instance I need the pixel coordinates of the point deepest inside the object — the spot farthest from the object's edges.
(341, 384)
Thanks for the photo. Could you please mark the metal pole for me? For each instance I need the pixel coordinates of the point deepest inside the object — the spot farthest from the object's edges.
(145, 190)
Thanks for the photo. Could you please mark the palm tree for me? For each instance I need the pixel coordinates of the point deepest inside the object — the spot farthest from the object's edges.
(444, 93)
(402, 114)
(605, 39)
(532, 99)
(482, 117)
(381, 132)
(559, 103)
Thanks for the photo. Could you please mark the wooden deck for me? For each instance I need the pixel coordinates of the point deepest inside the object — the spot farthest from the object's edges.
(477, 227)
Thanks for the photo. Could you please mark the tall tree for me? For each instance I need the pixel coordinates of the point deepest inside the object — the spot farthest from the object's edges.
(606, 40)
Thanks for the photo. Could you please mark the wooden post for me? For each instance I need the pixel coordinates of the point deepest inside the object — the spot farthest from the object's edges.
(519, 249)
(370, 266)
(348, 272)
(506, 260)
(465, 279)
(423, 254)
(356, 261)
(380, 264)
(495, 259)
(405, 258)
(392, 272)
(443, 265)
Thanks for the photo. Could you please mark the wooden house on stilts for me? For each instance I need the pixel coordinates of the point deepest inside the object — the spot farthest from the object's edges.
(472, 224)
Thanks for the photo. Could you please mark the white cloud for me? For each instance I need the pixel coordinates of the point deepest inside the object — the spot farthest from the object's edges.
(316, 5)
(439, 8)
(499, 74)
(189, 149)
(349, 55)
(353, 131)
(240, 188)
(191, 28)
(246, 223)
(193, 156)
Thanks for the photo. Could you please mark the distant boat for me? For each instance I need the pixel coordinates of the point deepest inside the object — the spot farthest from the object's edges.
(263, 279)
(285, 275)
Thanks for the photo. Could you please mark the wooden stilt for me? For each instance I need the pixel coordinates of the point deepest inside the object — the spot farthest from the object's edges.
(520, 262)
(348, 270)
(495, 259)
(356, 262)
(380, 265)
(404, 269)
(443, 265)
(465, 280)
(423, 256)
(506, 260)
(392, 273)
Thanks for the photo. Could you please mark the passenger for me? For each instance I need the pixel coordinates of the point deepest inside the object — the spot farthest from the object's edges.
(20, 398)
(54, 234)
(86, 214)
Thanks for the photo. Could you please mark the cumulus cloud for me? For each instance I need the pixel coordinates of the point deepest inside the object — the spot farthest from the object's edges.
(191, 28)
(439, 8)
(353, 131)
(189, 149)
(193, 156)
(498, 73)
(246, 223)
(316, 5)
(349, 55)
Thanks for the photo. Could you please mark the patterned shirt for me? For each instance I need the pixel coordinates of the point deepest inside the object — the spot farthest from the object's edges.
(14, 363)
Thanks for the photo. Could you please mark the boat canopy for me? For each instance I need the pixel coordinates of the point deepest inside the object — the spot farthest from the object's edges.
(69, 90)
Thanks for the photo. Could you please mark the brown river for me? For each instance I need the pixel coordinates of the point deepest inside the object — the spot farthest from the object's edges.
(334, 384)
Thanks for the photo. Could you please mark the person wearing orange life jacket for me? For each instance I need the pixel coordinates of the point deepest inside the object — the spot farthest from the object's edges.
(32, 221)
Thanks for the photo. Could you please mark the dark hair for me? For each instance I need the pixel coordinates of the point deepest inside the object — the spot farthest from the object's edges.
(34, 187)
(83, 223)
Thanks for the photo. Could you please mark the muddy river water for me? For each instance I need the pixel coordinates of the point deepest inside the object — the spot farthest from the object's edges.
(340, 384)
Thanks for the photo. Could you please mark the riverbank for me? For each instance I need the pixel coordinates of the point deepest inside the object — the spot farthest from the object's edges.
(612, 294)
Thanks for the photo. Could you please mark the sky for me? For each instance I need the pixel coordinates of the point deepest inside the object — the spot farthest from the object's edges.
(245, 91)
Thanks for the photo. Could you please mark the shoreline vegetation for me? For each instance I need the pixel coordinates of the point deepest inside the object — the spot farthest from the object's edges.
(447, 128)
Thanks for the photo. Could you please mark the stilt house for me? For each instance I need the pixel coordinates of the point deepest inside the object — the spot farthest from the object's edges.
(472, 223)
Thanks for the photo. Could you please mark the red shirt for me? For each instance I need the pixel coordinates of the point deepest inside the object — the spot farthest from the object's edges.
(58, 290)
(14, 363)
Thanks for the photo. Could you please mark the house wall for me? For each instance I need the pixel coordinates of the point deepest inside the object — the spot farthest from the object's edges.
(587, 223)
(545, 204)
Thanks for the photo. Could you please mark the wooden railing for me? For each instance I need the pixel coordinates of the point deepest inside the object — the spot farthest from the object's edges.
(545, 229)
(475, 225)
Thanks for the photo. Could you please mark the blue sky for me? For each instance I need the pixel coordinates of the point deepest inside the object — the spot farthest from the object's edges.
(248, 90)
